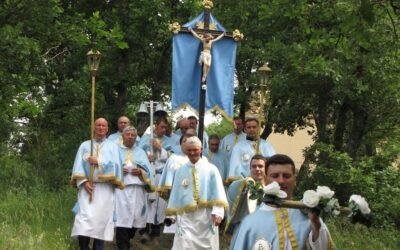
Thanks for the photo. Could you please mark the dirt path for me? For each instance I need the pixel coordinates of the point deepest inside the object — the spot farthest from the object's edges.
(164, 242)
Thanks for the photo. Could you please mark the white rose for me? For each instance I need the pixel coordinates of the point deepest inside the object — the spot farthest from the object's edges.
(310, 198)
(333, 206)
(325, 192)
(361, 203)
(274, 189)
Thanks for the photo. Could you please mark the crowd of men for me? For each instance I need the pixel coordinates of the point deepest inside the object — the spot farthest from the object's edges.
(172, 179)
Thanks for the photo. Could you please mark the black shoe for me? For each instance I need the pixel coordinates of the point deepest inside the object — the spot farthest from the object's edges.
(144, 238)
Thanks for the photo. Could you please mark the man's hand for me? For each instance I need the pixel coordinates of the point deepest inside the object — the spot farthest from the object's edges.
(88, 187)
(151, 157)
(156, 143)
(126, 170)
(136, 171)
(93, 160)
(315, 225)
(217, 220)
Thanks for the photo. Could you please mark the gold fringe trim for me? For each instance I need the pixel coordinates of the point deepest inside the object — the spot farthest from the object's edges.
(164, 188)
(193, 207)
(75, 178)
(149, 187)
(331, 245)
(186, 106)
(221, 111)
(164, 191)
(232, 179)
(110, 178)
(237, 200)
(209, 111)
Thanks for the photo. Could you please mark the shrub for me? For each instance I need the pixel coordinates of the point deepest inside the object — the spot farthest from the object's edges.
(373, 177)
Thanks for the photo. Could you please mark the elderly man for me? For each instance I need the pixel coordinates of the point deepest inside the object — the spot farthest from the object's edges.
(95, 207)
(245, 149)
(131, 203)
(270, 227)
(123, 121)
(160, 145)
(230, 140)
(198, 200)
(240, 204)
(175, 161)
(217, 157)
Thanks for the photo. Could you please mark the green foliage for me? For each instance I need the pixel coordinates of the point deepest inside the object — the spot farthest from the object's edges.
(36, 220)
(349, 236)
(346, 176)
(221, 128)
(17, 173)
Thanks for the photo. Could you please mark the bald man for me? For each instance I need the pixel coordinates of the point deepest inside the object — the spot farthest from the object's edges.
(95, 207)
(123, 122)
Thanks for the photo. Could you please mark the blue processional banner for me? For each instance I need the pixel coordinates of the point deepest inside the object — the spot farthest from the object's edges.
(186, 71)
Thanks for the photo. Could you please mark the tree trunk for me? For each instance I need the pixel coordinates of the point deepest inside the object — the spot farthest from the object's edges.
(357, 131)
(321, 118)
(340, 126)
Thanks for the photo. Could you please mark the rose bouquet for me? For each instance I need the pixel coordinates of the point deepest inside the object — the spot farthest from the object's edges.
(320, 201)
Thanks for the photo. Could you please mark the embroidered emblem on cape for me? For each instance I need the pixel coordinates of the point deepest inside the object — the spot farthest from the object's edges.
(262, 244)
(228, 148)
(85, 156)
(245, 157)
(185, 183)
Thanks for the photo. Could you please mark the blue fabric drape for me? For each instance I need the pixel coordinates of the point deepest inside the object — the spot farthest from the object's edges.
(186, 71)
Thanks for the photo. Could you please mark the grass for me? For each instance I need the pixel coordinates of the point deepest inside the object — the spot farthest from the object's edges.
(36, 220)
(42, 220)
(355, 236)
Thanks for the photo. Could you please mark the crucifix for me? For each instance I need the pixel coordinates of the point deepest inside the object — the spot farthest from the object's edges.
(206, 32)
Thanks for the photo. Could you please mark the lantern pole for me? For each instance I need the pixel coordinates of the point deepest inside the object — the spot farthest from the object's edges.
(93, 61)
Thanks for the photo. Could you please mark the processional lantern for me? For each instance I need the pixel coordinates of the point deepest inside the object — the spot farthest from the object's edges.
(94, 62)
(94, 58)
(263, 72)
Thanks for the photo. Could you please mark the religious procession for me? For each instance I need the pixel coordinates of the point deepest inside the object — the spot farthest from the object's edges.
(267, 135)
(190, 184)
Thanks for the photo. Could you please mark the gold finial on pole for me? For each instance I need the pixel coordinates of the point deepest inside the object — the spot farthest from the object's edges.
(174, 27)
(237, 35)
(208, 4)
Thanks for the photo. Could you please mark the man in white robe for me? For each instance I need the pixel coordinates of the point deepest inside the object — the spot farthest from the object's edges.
(123, 122)
(230, 140)
(216, 156)
(240, 204)
(270, 227)
(160, 145)
(96, 201)
(131, 205)
(244, 150)
(197, 200)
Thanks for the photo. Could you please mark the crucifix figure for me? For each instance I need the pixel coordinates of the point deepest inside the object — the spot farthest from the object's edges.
(205, 56)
